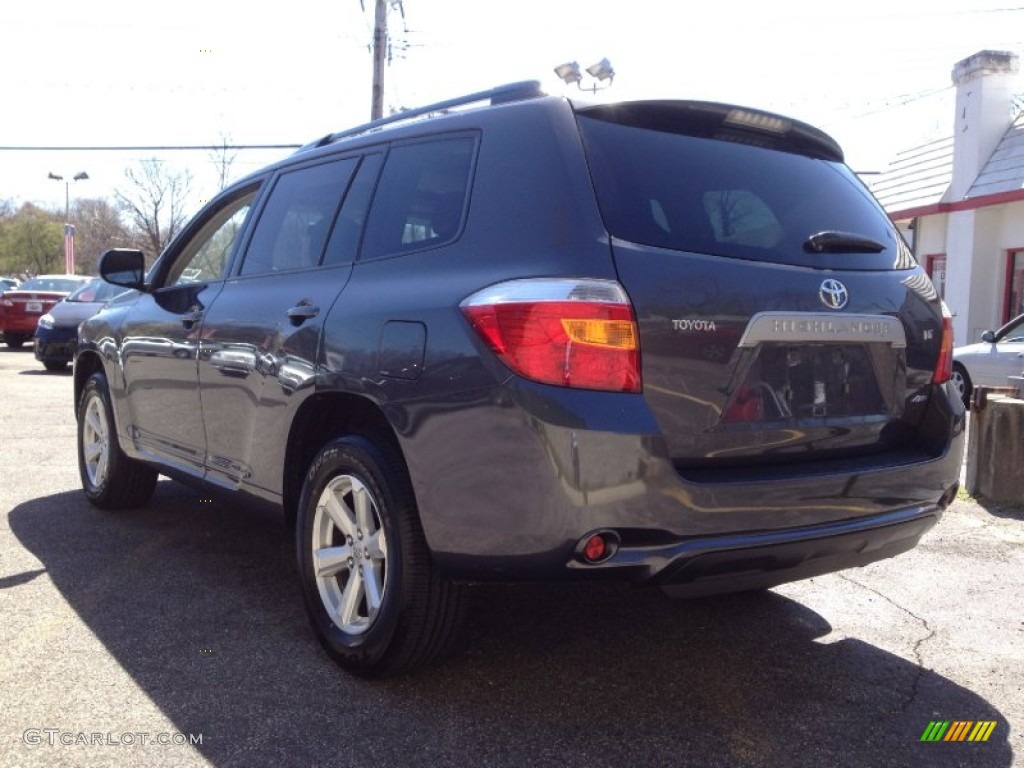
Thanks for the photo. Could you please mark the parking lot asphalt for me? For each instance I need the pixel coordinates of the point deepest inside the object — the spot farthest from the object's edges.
(174, 636)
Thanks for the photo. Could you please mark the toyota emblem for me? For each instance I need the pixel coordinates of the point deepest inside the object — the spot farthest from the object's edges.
(833, 294)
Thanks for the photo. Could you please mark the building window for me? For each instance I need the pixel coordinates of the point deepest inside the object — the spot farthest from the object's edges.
(936, 266)
(1014, 304)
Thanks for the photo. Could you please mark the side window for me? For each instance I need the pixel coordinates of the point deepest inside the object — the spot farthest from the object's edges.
(294, 225)
(205, 257)
(421, 197)
(344, 241)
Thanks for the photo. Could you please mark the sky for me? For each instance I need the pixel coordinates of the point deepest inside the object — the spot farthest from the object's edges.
(875, 74)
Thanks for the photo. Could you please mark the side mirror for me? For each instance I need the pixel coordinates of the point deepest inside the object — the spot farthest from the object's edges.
(125, 267)
(989, 337)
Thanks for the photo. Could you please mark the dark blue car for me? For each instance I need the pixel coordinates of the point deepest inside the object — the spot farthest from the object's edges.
(56, 337)
(515, 337)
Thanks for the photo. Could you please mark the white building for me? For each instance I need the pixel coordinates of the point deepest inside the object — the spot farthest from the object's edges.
(960, 201)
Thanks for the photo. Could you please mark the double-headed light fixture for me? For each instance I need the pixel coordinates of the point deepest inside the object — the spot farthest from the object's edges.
(80, 176)
(602, 73)
(69, 230)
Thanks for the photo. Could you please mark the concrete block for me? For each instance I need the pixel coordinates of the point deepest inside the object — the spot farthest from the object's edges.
(995, 448)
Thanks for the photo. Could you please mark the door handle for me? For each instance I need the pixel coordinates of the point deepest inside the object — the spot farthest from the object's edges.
(302, 311)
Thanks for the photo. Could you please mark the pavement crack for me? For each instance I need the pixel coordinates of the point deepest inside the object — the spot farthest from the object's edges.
(915, 648)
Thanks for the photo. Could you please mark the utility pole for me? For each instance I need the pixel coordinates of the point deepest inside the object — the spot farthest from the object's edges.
(380, 46)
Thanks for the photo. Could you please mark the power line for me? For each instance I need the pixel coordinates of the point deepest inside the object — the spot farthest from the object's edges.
(146, 148)
(883, 105)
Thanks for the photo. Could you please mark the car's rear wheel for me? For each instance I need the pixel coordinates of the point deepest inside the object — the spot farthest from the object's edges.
(962, 382)
(15, 340)
(373, 595)
(110, 479)
(54, 365)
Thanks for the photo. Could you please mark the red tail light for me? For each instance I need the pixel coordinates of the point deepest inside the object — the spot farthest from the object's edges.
(944, 365)
(569, 332)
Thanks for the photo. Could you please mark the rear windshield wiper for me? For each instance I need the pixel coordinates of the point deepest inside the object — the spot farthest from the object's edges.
(831, 241)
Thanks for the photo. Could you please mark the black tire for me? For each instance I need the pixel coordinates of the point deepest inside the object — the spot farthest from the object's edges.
(55, 365)
(418, 612)
(962, 382)
(110, 479)
(15, 341)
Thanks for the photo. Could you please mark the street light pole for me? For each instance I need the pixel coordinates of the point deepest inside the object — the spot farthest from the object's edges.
(69, 230)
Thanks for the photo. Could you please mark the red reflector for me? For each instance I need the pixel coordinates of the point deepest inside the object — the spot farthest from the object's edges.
(583, 344)
(595, 548)
(944, 365)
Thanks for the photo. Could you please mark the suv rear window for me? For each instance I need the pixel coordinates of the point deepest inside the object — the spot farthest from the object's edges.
(667, 188)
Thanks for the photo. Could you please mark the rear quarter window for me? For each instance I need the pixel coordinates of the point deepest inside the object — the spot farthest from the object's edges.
(421, 198)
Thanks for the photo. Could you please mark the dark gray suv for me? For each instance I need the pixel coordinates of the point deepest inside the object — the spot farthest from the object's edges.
(513, 337)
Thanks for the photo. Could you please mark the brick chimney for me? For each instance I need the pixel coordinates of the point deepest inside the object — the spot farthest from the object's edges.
(984, 103)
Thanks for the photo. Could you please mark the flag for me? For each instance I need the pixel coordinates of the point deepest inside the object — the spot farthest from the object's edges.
(69, 249)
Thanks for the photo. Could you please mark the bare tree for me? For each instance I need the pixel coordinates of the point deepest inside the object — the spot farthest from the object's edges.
(98, 226)
(223, 158)
(155, 201)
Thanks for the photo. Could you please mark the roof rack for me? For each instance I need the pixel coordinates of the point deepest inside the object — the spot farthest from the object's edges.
(525, 89)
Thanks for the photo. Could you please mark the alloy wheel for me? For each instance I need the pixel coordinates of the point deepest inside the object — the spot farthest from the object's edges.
(95, 441)
(349, 553)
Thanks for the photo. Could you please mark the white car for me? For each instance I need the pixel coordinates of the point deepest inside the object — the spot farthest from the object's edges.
(988, 363)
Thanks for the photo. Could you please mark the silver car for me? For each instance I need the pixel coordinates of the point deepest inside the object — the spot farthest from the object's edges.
(988, 363)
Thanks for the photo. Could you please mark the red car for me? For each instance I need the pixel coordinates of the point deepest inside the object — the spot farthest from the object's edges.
(21, 307)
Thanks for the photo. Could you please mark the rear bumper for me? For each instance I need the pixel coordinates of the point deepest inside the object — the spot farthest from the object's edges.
(529, 471)
(760, 560)
(19, 325)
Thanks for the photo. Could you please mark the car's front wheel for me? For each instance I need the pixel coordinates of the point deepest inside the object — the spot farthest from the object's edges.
(15, 340)
(373, 595)
(110, 479)
(962, 383)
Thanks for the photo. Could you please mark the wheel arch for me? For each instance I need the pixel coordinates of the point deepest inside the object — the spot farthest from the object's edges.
(86, 364)
(320, 419)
